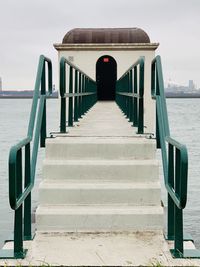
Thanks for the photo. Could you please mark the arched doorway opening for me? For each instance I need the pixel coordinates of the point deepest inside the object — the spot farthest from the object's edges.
(106, 76)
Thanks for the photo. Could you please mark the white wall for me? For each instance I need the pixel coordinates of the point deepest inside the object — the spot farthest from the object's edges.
(86, 61)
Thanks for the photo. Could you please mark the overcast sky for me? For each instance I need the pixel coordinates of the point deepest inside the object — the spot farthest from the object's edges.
(29, 28)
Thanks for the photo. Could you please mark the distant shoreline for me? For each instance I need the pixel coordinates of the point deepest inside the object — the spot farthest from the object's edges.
(182, 96)
(55, 97)
(23, 97)
(26, 94)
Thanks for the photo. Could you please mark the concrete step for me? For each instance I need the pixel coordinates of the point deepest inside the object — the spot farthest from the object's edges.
(96, 192)
(117, 170)
(100, 148)
(100, 218)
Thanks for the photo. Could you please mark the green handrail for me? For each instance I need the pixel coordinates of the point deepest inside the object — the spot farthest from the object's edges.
(19, 194)
(129, 97)
(82, 93)
(175, 166)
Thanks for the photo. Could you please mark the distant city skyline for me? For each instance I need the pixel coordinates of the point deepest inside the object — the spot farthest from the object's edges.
(29, 28)
(190, 84)
(167, 83)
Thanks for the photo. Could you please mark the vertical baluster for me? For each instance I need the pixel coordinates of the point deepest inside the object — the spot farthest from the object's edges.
(158, 144)
(76, 97)
(86, 91)
(27, 202)
(70, 102)
(178, 214)
(90, 98)
(62, 97)
(80, 97)
(131, 98)
(154, 93)
(124, 97)
(83, 97)
(18, 225)
(141, 100)
(127, 97)
(135, 100)
(120, 96)
(170, 206)
(43, 131)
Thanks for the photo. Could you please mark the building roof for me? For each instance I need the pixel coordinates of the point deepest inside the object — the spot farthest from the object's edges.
(105, 35)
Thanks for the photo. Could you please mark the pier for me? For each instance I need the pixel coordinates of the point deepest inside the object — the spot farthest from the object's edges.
(100, 196)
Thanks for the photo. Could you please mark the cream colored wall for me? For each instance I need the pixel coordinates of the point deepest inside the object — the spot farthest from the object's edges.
(86, 61)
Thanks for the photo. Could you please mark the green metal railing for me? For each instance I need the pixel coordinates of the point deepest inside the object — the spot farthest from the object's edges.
(22, 163)
(175, 166)
(130, 92)
(82, 93)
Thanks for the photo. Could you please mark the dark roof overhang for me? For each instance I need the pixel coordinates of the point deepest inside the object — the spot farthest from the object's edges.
(106, 35)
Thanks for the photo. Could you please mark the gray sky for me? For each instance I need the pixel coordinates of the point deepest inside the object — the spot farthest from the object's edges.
(29, 28)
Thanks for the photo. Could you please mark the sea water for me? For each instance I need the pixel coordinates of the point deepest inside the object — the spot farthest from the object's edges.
(184, 119)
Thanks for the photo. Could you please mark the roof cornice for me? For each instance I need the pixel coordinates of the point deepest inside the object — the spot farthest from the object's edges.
(108, 47)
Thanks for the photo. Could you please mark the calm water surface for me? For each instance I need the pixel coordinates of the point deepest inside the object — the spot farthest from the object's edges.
(184, 118)
(14, 117)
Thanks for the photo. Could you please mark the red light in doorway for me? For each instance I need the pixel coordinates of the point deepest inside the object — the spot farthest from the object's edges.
(105, 59)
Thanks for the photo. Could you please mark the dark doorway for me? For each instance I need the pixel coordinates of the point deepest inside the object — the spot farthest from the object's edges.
(106, 76)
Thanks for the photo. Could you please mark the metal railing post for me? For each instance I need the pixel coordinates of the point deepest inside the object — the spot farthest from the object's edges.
(27, 201)
(83, 91)
(170, 206)
(62, 97)
(70, 103)
(18, 227)
(43, 132)
(141, 100)
(131, 98)
(76, 97)
(80, 97)
(178, 213)
(135, 100)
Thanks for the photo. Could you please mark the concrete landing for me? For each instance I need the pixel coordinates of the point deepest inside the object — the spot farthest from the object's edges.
(104, 119)
(79, 249)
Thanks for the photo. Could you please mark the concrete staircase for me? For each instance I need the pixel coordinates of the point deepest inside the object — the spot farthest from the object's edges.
(101, 183)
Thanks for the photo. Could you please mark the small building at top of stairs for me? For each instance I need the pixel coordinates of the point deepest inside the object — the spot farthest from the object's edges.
(94, 49)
